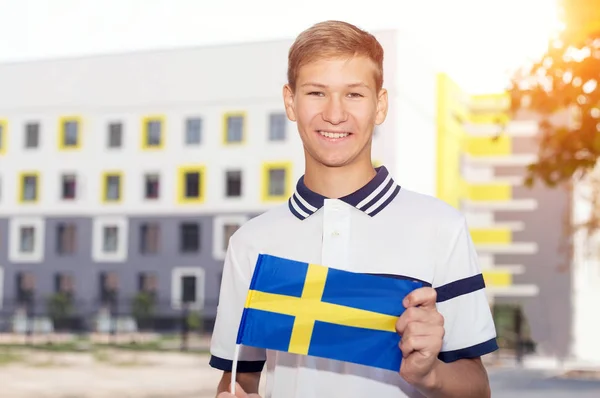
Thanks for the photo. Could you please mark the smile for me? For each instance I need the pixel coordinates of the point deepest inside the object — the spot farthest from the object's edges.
(334, 135)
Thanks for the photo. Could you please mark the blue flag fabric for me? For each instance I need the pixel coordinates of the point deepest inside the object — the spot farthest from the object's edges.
(311, 309)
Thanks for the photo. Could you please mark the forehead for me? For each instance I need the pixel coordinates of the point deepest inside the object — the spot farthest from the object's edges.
(338, 71)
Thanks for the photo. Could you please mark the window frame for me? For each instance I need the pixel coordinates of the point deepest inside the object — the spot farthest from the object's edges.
(219, 223)
(21, 191)
(98, 253)
(226, 117)
(266, 168)
(177, 275)
(105, 179)
(181, 182)
(145, 131)
(15, 254)
(62, 133)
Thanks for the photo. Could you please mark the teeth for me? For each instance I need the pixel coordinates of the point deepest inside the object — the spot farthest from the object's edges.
(333, 135)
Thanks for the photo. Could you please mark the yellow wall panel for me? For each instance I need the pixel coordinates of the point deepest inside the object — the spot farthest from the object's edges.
(488, 118)
(497, 278)
(488, 146)
(491, 235)
(450, 133)
(487, 192)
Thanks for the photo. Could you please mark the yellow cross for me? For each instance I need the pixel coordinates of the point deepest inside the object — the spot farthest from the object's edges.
(309, 308)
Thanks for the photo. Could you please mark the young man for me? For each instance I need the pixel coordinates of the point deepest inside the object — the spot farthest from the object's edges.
(347, 215)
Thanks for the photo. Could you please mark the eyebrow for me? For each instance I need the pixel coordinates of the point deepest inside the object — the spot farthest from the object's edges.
(321, 85)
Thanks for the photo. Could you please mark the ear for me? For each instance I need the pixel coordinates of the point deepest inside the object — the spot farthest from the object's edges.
(382, 106)
(288, 102)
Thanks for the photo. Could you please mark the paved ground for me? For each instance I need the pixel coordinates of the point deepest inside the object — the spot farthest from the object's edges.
(132, 375)
(518, 383)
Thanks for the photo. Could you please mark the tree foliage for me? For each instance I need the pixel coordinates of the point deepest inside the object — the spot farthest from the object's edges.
(561, 89)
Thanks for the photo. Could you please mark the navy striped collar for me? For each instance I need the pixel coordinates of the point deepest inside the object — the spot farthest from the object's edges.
(371, 199)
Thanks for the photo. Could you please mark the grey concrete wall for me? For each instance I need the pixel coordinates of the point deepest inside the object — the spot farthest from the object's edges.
(86, 272)
(549, 314)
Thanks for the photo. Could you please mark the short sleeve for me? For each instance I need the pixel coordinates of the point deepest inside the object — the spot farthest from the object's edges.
(232, 297)
(461, 299)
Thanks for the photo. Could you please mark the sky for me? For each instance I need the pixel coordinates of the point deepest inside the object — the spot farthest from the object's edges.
(478, 42)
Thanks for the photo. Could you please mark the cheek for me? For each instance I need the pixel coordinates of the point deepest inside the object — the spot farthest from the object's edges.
(307, 114)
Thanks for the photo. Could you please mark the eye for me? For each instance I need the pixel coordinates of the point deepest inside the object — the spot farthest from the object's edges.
(355, 95)
(317, 93)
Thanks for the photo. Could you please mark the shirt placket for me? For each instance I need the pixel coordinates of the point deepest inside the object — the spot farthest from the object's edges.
(336, 234)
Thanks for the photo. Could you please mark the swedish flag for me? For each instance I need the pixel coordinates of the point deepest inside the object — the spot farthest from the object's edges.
(313, 310)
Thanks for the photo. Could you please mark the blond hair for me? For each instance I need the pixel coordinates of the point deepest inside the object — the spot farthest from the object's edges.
(331, 39)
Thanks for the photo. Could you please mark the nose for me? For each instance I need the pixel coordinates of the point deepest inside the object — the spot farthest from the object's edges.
(334, 111)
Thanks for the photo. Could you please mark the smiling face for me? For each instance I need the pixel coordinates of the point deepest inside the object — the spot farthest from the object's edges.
(336, 106)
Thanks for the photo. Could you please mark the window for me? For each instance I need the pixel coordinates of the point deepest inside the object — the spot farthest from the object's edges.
(68, 186)
(193, 131)
(188, 288)
(234, 128)
(109, 240)
(191, 184)
(151, 186)
(63, 283)
(26, 239)
(115, 135)
(29, 187)
(233, 183)
(277, 127)
(189, 237)
(66, 238)
(153, 135)
(224, 227)
(228, 231)
(109, 286)
(3, 140)
(147, 282)
(25, 282)
(276, 181)
(32, 135)
(149, 238)
(112, 187)
(70, 134)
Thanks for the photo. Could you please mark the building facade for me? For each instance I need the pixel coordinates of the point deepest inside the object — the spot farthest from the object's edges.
(122, 177)
(127, 174)
(542, 273)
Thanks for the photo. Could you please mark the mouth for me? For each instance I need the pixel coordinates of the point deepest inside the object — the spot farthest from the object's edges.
(333, 135)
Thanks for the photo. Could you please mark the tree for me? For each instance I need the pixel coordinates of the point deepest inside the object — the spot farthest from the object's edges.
(562, 90)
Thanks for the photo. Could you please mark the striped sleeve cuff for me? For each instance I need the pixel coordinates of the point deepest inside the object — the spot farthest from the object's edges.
(460, 288)
(226, 365)
(473, 351)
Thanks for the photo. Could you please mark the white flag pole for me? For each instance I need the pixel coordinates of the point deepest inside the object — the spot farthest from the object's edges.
(236, 355)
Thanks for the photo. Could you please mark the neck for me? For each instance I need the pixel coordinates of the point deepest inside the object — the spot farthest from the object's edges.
(336, 182)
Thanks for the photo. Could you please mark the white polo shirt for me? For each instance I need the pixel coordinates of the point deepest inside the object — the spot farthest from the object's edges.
(379, 229)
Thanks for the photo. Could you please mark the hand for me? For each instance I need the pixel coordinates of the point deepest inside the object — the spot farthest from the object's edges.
(239, 393)
(421, 328)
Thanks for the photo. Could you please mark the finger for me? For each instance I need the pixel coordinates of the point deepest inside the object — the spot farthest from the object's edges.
(424, 297)
(410, 344)
(410, 315)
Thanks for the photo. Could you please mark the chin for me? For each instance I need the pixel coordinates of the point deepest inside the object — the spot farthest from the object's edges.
(335, 162)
